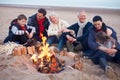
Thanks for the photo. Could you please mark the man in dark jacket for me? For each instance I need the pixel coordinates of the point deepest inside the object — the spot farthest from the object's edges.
(76, 33)
(101, 54)
(40, 22)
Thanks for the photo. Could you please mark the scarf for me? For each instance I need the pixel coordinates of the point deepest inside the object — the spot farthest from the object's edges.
(23, 27)
(41, 27)
(81, 26)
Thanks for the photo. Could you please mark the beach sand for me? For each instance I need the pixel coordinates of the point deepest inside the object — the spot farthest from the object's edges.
(19, 68)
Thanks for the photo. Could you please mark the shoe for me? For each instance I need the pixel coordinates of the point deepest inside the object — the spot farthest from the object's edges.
(109, 72)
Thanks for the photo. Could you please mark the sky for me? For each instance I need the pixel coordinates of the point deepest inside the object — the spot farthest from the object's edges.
(112, 4)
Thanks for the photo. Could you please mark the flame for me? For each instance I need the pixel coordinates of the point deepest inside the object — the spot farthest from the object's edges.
(45, 59)
(34, 58)
(44, 50)
(43, 39)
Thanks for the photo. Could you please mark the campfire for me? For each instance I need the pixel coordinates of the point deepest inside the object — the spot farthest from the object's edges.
(45, 60)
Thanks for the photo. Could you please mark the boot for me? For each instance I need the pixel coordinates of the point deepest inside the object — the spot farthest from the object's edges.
(69, 46)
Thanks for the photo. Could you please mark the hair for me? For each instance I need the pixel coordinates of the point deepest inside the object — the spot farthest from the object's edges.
(78, 14)
(53, 14)
(21, 16)
(101, 36)
(42, 10)
(97, 18)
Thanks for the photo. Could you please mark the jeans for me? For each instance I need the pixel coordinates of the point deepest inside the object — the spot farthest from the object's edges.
(102, 58)
(62, 42)
(52, 39)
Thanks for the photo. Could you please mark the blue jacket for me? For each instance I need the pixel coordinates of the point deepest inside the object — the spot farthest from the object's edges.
(91, 38)
(75, 28)
(32, 21)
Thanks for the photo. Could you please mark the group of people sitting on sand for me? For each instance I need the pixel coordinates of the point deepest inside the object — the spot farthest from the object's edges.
(97, 40)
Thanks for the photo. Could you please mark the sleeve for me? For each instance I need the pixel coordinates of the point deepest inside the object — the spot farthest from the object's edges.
(32, 28)
(15, 31)
(114, 34)
(66, 24)
(30, 22)
(83, 36)
(92, 43)
(47, 23)
(72, 29)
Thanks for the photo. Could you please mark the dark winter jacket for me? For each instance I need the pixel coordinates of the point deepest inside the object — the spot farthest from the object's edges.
(32, 21)
(75, 28)
(92, 41)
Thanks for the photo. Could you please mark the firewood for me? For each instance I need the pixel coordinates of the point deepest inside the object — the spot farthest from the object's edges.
(38, 47)
(76, 57)
(23, 50)
(14, 52)
(51, 52)
(55, 50)
(17, 51)
(43, 69)
(64, 52)
(62, 62)
(78, 65)
(31, 49)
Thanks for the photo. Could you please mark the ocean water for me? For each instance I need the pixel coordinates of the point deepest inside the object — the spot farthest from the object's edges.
(112, 4)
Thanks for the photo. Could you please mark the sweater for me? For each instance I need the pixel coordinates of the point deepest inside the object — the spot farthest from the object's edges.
(55, 28)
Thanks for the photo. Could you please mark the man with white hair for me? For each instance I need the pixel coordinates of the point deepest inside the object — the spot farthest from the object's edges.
(56, 28)
(80, 30)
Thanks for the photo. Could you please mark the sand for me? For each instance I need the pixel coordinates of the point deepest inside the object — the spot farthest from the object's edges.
(20, 68)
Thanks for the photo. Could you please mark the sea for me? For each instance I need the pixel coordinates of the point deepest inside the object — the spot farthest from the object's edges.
(109, 4)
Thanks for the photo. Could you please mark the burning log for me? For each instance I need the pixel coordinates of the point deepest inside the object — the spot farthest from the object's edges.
(55, 65)
(38, 47)
(52, 66)
(34, 59)
(43, 69)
